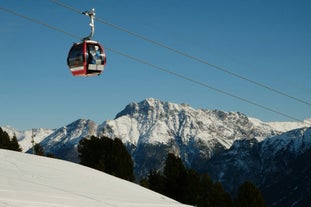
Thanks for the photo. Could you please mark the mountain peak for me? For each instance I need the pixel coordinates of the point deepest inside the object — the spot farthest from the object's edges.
(151, 101)
(150, 106)
(155, 121)
(69, 135)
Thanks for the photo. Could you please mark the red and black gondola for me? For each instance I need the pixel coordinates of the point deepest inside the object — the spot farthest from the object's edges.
(86, 58)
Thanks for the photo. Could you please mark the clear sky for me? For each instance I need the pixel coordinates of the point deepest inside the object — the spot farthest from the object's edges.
(265, 41)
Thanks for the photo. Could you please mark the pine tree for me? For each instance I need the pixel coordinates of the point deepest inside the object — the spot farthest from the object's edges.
(5, 142)
(175, 174)
(220, 197)
(249, 196)
(123, 164)
(156, 182)
(14, 144)
(107, 155)
(39, 150)
(205, 196)
(90, 152)
(187, 186)
(192, 189)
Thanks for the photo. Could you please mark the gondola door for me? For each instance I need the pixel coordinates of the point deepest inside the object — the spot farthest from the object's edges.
(77, 59)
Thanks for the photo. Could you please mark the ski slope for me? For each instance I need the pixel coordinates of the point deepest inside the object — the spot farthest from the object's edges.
(28, 180)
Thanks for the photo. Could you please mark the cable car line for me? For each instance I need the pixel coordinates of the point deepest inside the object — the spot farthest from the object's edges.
(189, 56)
(38, 22)
(159, 68)
(206, 85)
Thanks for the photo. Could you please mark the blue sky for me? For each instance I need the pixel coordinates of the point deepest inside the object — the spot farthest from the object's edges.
(265, 41)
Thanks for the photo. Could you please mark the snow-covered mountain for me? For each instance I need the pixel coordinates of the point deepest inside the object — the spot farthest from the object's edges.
(279, 165)
(287, 126)
(28, 180)
(24, 137)
(153, 121)
(63, 142)
(193, 134)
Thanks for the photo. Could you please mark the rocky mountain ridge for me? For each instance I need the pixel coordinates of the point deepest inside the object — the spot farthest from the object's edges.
(127, 119)
(193, 134)
(282, 160)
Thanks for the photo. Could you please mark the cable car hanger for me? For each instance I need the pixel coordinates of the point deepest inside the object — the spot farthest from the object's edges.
(91, 14)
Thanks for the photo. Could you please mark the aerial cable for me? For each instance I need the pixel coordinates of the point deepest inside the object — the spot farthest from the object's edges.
(159, 68)
(205, 85)
(38, 22)
(189, 56)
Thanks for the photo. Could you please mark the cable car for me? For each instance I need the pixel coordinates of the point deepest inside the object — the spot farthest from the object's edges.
(88, 57)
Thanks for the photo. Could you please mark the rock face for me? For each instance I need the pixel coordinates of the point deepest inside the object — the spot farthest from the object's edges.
(64, 141)
(153, 128)
(279, 165)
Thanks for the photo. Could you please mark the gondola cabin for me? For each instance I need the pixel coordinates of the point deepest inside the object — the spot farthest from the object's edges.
(86, 58)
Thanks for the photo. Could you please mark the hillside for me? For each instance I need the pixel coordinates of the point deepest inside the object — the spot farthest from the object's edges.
(279, 166)
(28, 180)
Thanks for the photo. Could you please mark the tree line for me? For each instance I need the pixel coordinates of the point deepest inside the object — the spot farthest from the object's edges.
(189, 187)
(6, 142)
(184, 185)
(175, 181)
(107, 155)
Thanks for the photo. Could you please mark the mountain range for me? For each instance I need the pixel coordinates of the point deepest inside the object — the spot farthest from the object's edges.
(229, 146)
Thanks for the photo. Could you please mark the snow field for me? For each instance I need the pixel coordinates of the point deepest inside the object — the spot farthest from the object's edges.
(33, 181)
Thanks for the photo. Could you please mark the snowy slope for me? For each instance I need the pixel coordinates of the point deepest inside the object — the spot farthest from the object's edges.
(27, 180)
(296, 142)
(287, 126)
